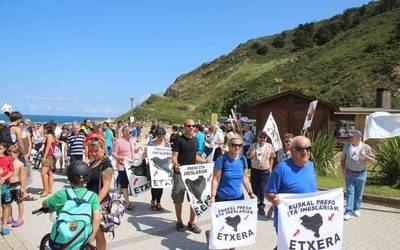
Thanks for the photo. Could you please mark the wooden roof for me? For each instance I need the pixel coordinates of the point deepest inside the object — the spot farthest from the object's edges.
(363, 111)
(292, 93)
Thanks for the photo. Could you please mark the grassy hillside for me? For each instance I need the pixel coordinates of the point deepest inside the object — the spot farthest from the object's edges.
(341, 60)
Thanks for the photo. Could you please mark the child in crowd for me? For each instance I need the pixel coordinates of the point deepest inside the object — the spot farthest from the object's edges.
(15, 185)
(6, 170)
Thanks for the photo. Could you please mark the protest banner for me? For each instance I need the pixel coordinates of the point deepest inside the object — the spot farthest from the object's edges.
(311, 220)
(137, 176)
(197, 179)
(271, 128)
(160, 166)
(380, 125)
(233, 224)
(310, 114)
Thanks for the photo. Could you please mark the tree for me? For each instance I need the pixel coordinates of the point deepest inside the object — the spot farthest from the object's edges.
(303, 35)
(256, 45)
(326, 32)
(263, 50)
(278, 42)
(350, 18)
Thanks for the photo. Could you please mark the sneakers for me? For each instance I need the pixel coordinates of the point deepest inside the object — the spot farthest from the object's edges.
(347, 216)
(357, 213)
(5, 231)
(193, 228)
(17, 223)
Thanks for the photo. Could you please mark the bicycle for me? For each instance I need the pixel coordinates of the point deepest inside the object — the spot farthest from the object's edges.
(45, 241)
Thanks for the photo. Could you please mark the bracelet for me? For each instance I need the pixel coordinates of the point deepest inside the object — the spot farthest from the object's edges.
(250, 193)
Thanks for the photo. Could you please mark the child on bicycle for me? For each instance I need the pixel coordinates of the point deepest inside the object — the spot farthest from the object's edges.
(78, 175)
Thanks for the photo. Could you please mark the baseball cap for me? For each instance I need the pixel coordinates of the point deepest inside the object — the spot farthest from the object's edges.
(356, 133)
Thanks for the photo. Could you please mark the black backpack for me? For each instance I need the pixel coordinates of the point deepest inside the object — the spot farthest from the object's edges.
(5, 135)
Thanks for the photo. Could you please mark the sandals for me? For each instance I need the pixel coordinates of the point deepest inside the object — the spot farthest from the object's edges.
(130, 206)
(29, 198)
(193, 228)
(159, 207)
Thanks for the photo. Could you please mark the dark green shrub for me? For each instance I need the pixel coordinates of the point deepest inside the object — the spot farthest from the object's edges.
(387, 154)
(263, 50)
(323, 153)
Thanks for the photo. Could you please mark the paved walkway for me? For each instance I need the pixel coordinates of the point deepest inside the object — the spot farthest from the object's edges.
(377, 228)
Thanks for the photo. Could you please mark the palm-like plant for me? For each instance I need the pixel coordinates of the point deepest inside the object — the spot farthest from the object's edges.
(323, 153)
(388, 156)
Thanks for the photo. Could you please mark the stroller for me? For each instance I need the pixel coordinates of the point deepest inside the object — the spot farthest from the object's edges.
(36, 155)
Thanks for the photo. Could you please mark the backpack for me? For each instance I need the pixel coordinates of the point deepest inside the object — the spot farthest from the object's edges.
(112, 210)
(5, 135)
(73, 225)
(112, 213)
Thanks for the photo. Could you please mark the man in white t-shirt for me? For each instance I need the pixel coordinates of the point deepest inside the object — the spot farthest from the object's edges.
(262, 157)
(354, 158)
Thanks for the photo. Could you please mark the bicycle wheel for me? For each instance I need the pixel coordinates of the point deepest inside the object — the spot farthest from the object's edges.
(44, 243)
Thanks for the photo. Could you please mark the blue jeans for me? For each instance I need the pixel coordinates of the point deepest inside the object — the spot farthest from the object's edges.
(355, 183)
(259, 184)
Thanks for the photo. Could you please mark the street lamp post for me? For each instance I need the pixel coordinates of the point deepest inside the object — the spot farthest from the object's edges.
(132, 99)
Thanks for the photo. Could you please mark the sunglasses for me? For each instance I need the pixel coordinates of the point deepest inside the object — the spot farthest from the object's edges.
(300, 149)
(234, 145)
(190, 126)
(263, 137)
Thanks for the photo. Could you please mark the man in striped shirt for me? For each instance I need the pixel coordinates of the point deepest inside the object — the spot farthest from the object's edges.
(75, 142)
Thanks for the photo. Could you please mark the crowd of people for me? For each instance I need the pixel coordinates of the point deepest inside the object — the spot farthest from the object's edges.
(236, 152)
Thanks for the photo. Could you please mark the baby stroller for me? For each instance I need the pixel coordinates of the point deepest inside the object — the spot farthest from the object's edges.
(36, 155)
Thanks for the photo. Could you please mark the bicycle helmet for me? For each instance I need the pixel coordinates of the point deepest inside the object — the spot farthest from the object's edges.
(78, 172)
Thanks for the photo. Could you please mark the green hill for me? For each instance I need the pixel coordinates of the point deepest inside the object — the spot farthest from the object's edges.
(341, 60)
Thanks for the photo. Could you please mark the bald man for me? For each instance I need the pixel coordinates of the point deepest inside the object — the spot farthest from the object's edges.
(296, 175)
(184, 152)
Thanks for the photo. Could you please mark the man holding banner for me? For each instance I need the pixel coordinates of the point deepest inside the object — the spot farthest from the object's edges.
(184, 152)
(296, 175)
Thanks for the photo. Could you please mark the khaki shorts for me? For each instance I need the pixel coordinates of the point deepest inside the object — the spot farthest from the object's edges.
(178, 189)
(48, 162)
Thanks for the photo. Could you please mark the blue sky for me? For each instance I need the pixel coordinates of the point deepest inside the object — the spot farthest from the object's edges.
(88, 57)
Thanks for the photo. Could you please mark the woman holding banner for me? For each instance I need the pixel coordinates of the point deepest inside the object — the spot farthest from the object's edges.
(230, 173)
(159, 141)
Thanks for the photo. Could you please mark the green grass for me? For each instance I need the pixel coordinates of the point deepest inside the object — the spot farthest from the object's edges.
(370, 188)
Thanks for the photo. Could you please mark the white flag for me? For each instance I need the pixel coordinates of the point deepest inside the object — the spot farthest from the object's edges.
(6, 108)
(310, 114)
(311, 220)
(272, 131)
(381, 125)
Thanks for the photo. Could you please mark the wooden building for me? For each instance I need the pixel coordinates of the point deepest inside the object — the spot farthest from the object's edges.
(290, 109)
